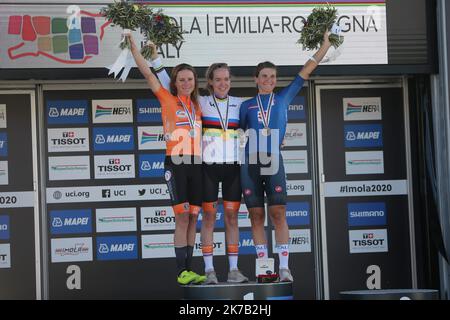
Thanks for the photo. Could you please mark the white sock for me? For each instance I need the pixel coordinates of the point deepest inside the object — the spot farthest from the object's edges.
(233, 262)
(209, 266)
(283, 254)
(261, 251)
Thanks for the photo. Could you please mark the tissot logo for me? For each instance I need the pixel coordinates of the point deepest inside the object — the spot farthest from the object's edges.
(109, 167)
(364, 241)
(62, 140)
(67, 112)
(218, 244)
(5, 256)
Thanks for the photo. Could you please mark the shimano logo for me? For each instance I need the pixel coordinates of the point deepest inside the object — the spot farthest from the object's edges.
(365, 214)
(149, 110)
(297, 213)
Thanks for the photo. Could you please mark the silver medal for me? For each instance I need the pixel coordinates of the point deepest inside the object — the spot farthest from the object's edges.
(266, 132)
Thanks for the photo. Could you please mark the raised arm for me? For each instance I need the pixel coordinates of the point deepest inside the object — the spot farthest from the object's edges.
(143, 67)
(314, 61)
(158, 66)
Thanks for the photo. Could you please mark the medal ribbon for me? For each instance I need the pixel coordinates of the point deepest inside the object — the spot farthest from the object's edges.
(265, 115)
(223, 123)
(191, 118)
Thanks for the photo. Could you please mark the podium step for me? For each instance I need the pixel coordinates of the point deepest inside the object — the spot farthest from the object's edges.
(240, 291)
(391, 294)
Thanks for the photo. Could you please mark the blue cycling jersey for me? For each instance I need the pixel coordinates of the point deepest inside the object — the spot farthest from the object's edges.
(251, 118)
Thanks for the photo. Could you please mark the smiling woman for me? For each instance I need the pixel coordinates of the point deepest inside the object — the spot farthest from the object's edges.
(181, 117)
(266, 118)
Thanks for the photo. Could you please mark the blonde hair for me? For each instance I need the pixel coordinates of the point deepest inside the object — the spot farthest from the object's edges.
(209, 75)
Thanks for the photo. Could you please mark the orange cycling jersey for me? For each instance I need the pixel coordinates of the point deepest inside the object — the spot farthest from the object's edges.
(181, 138)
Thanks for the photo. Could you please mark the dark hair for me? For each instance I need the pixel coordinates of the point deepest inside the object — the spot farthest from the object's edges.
(209, 75)
(263, 65)
(173, 78)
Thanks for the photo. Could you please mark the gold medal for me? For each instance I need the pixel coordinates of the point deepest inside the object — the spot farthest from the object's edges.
(192, 133)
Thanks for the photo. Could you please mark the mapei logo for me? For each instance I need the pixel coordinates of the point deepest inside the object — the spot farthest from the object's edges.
(356, 109)
(3, 144)
(149, 110)
(117, 248)
(67, 112)
(363, 136)
(151, 165)
(246, 244)
(220, 223)
(4, 227)
(115, 138)
(71, 39)
(71, 221)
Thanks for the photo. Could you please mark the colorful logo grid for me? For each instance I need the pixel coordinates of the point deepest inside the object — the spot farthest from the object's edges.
(74, 37)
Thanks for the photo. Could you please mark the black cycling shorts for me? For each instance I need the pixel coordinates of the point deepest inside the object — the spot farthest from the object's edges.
(229, 175)
(184, 182)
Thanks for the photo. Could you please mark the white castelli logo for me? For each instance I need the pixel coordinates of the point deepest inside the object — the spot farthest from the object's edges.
(168, 175)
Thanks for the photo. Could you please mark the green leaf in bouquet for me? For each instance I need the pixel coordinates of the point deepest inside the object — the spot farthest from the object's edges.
(160, 29)
(126, 15)
(319, 21)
